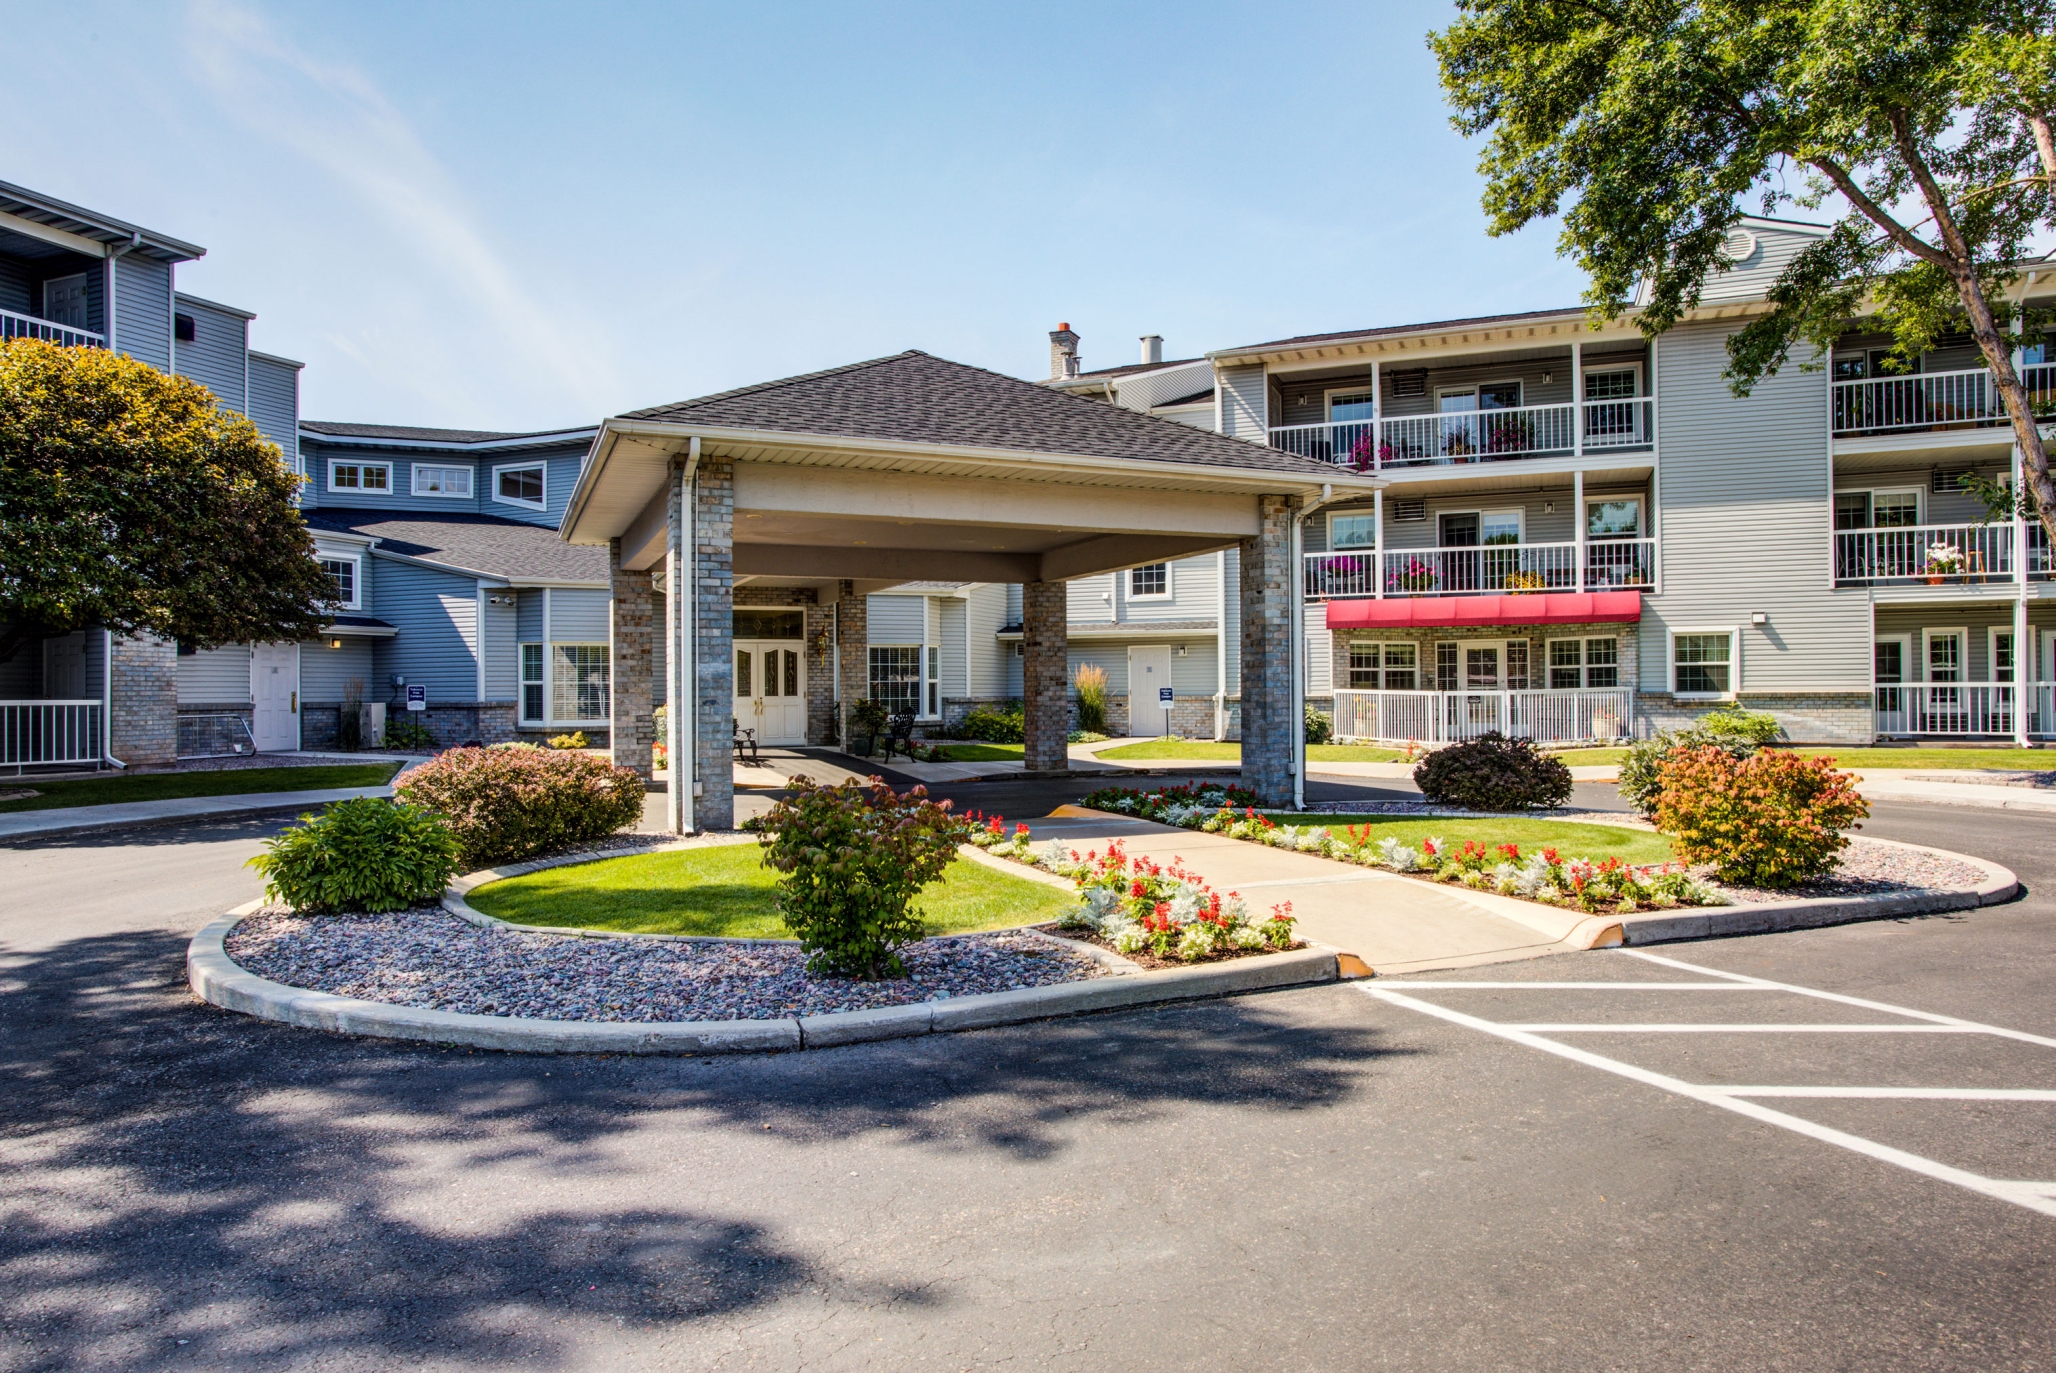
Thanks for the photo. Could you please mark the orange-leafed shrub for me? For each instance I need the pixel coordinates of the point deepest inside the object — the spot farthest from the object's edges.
(1769, 820)
(505, 804)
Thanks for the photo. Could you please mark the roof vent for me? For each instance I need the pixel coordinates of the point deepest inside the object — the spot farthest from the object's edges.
(1152, 348)
(1410, 510)
(1409, 383)
(1738, 246)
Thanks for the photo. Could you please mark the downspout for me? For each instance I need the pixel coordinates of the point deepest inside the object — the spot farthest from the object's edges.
(1297, 600)
(107, 698)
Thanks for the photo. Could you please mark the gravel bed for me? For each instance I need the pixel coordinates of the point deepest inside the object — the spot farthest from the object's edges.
(433, 961)
(1869, 868)
(1428, 810)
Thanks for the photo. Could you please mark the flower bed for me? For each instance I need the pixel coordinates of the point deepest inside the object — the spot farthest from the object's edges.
(1171, 805)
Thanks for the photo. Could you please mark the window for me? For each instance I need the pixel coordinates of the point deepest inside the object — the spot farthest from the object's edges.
(1584, 663)
(1445, 667)
(934, 681)
(532, 683)
(1153, 580)
(1499, 527)
(2002, 655)
(1894, 509)
(344, 571)
(1614, 519)
(1945, 655)
(1702, 664)
(1352, 531)
(360, 476)
(896, 679)
(1346, 406)
(1615, 383)
(442, 481)
(518, 485)
(1383, 667)
(578, 682)
(1602, 663)
(1852, 510)
(1888, 661)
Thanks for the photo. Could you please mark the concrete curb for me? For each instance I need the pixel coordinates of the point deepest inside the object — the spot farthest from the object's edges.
(177, 810)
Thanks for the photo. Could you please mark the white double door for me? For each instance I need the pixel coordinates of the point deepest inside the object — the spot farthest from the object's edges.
(771, 690)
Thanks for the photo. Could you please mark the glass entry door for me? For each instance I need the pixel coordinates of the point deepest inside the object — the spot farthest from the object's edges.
(771, 691)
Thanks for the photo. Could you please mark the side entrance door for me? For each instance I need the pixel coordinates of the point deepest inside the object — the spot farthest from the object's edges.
(275, 687)
(1149, 676)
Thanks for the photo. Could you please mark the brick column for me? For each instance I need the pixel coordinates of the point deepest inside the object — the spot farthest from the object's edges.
(852, 650)
(820, 671)
(143, 673)
(713, 554)
(1268, 709)
(632, 723)
(1045, 674)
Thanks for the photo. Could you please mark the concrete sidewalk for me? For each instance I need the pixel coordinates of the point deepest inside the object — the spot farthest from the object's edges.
(44, 824)
(1921, 785)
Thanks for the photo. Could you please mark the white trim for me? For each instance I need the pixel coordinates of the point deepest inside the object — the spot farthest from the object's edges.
(1927, 638)
(550, 648)
(1586, 369)
(1670, 657)
(62, 238)
(1519, 513)
(1328, 401)
(361, 467)
(356, 562)
(470, 481)
(1906, 664)
(1993, 633)
(1585, 516)
(522, 681)
(1355, 513)
(549, 440)
(538, 465)
(1129, 592)
(1870, 511)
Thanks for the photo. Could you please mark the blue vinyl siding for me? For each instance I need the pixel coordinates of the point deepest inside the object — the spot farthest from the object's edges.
(326, 673)
(502, 658)
(275, 404)
(530, 616)
(215, 676)
(142, 313)
(561, 464)
(436, 614)
(215, 356)
(579, 616)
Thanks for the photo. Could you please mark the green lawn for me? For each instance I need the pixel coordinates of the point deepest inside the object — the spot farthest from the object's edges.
(726, 891)
(982, 753)
(1206, 750)
(1573, 840)
(163, 786)
(1590, 757)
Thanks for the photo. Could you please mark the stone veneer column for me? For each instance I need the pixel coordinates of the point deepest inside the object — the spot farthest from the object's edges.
(713, 554)
(143, 724)
(852, 650)
(1045, 676)
(820, 673)
(632, 723)
(1268, 710)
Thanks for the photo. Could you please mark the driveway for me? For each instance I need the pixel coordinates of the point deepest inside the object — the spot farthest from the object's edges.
(1306, 1179)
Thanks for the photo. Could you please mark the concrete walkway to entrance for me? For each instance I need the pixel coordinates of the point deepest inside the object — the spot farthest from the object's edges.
(1393, 923)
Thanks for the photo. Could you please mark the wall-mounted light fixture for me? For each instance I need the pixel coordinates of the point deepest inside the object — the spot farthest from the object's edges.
(1758, 617)
(335, 643)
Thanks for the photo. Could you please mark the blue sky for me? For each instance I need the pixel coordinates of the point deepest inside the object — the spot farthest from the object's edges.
(514, 216)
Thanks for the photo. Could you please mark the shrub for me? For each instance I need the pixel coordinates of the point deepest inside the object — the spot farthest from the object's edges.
(369, 854)
(1641, 772)
(1091, 683)
(406, 733)
(1732, 723)
(995, 727)
(506, 804)
(1319, 728)
(1768, 820)
(854, 858)
(575, 739)
(1493, 772)
(868, 716)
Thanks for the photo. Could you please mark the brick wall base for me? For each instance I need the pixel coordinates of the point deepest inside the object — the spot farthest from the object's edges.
(143, 675)
(1827, 717)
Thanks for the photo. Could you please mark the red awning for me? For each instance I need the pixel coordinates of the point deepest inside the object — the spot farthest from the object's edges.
(1441, 612)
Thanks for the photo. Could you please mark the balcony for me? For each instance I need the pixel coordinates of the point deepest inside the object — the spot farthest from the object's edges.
(1445, 717)
(1934, 401)
(1473, 436)
(1936, 554)
(1499, 569)
(14, 325)
(1959, 709)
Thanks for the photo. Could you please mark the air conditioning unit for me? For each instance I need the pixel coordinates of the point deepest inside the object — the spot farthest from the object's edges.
(1410, 510)
(1948, 483)
(1413, 382)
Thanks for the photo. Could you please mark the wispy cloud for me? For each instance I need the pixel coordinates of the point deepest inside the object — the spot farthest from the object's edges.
(459, 327)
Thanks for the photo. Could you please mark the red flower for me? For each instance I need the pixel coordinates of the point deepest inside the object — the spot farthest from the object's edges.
(1549, 855)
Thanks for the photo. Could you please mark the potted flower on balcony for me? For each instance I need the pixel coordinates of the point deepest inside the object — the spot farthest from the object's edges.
(1362, 455)
(1521, 582)
(1416, 575)
(1943, 560)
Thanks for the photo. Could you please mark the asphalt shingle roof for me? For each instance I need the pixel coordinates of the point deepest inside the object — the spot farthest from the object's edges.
(405, 432)
(471, 543)
(915, 397)
(1129, 368)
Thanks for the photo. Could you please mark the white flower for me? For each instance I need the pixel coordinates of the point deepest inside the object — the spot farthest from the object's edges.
(1198, 940)
(1129, 939)
(1246, 937)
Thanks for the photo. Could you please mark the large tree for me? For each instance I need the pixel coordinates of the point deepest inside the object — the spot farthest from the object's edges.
(1921, 127)
(129, 500)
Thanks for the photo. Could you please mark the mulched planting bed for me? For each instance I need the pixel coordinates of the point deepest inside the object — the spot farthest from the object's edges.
(433, 961)
(1869, 869)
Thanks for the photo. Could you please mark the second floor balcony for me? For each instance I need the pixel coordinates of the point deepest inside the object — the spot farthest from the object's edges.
(1940, 555)
(1492, 570)
(14, 324)
(1474, 436)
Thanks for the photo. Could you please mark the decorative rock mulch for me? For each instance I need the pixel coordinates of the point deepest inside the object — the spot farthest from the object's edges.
(434, 961)
(1869, 868)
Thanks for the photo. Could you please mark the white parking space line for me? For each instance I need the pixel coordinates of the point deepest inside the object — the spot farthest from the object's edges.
(2034, 1195)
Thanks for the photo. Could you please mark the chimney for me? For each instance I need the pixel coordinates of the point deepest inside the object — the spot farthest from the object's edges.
(1063, 353)
(1152, 347)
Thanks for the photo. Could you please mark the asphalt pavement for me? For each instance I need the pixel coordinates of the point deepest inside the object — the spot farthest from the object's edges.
(1306, 1179)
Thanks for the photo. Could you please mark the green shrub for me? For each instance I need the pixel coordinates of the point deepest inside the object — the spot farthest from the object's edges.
(1493, 772)
(995, 727)
(1731, 722)
(575, 739)
(369, 854)
(853, 859)
(1771, 819)
(1091, 684)
(407, 733)
(506, 804)
(1319, 728)
(1641, 772)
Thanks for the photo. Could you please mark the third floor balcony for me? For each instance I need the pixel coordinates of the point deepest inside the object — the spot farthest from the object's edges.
(1471, 435)
(14, 325)
(1934, 402)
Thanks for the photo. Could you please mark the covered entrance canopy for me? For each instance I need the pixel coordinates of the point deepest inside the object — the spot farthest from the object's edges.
(819, 489)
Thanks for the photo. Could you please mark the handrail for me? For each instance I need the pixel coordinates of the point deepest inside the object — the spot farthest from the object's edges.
(14, 324)
(1482, 570)
(1967, 398)
(1468, 436)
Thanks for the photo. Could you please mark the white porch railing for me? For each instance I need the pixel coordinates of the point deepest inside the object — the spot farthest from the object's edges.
(40, 732)
(14, 325)
(1496, 569)
(1935, 553)
(1443, 717)
(1934, 400)
(1472, 436)
(1936, 708)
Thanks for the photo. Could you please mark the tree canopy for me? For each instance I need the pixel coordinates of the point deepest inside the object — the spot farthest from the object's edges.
(128, 500)
(1921, 128)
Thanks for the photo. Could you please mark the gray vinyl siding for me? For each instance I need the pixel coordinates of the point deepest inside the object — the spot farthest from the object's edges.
(1544, 375)
(949, 616)
(897, 619)
(1745, 512)
(502, 658)
(1245, 401)
(215, 356)
(1193, 675)
(328, 674)
(985, 609)
(1110, 654)
(580, 616)
(275, 405)
(1013, 603)
(15, 291)
(436, 613)
(21, 677)
(529, 616)
(1975, 620)
(1092, 600)
(218, 676)
(1754, 275)
(142, 310)
(1319, 649)
(1192, 594)
(1231, 631)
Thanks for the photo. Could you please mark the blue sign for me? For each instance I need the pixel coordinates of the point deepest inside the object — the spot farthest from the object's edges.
(1163, 696)
(417, 698)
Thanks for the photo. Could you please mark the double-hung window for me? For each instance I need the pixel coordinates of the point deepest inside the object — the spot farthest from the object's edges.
(1702, 663)
(1384, 667)
(1584, 663)
(1149, 583)
(344, 573)
(453, 482)
(531, 684)
(896, 678)
(372, 477)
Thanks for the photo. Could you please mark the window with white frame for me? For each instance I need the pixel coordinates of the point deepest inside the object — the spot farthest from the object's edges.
(934, 680)
(1151, 582)
(522, 485)
(344, 573)
(452, 482)
(2000, 649)
(1352, 531)
(1576, 664)
(1384, 667)
(376, 477)
(1619, 517)
(578, 683)
(1703, 663)
(1345, 407)
(896, 678)
(532, 684)
(1890, 509)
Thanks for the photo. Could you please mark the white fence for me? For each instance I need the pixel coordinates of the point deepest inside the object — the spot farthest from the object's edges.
(1935, 400)
(1473, 435)
(1933, 708)
(15, 325)
(1493, 569)
(34, 733)
(1443, 717)
(1934, 553)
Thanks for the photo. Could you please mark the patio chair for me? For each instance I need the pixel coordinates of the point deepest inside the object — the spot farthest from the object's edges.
(899, 735)
(744, 739)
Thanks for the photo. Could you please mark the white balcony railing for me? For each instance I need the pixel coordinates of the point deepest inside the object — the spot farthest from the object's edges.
(1935, 708)
(1443, 717)
(1497, 569)
(1939, 554)
(1934, 400)
(34, 733)
(14, 325)
(1472, 436)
